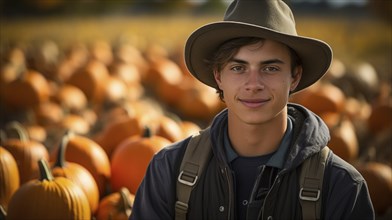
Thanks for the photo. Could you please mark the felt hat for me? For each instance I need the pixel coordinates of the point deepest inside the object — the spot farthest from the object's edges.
(269, 19)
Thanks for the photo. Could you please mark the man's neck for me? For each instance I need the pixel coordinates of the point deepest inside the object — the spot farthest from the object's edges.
(256, 140)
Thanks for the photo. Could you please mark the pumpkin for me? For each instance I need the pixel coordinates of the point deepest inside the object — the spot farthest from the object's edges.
(36, 132)
(71, 98)
(130, 160)
(91, 80)
(169, 129)
(118, 130)
(115, 90)
(77, 174)
(189, 128)
(126, 52)
(101, 50)
(379, 180)
(117, 205)
(344, 141)
(320, 98)
(199, 102)
(27, 91)
(380, 118)
(48, 113)
(163, 70)
(48, 198)
(171, 92)
(9, 177)
(76, 123)
(84, 151)
(26, 152)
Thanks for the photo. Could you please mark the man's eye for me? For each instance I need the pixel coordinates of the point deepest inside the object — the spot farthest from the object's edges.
(271, 69)
(237, 68)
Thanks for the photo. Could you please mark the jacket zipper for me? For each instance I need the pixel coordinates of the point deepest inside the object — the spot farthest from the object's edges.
(230, 193)
(277, 179)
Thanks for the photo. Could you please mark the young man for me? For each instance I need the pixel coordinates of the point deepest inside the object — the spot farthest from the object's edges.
(255, 60)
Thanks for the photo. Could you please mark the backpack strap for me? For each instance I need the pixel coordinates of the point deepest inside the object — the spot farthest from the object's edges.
(193, 163)
(311, 182)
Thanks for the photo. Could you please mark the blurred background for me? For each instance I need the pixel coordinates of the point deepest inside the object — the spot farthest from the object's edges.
(82, 64)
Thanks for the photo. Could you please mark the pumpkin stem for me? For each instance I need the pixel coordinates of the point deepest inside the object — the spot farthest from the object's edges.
(3, 137)
(60, 162)
(147, 132)
(3, 214)
(19, 130)
(125, 204)
(44, 171)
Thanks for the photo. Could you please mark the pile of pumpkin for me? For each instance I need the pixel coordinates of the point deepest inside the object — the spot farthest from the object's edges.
(80, 123)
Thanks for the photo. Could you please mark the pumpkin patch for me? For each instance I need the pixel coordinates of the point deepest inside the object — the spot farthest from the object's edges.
(84, 104)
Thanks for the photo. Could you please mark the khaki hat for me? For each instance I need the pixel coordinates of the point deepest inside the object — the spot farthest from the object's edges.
(269, 19)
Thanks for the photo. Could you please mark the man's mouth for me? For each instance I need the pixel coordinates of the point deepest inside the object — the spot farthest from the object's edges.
(253, 103)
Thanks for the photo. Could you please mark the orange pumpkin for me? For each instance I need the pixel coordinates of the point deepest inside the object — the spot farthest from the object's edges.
(48, 113)
(379, 179)
(90, 155)
(380, 118)
(130, 160)
(199, 102)
(49, 198)
(25, 151)
(91, 80)
(320, 98)
(71, 98)
(169, 129)
(26, 92)
(9, 177)
(77, 174)
(126, 52)
(189, 128)
(36, 132)
(115, 90)
(75, 123)
(101, 50)
(163, 70)
(117, 205)
(344, 141)
(118, 130)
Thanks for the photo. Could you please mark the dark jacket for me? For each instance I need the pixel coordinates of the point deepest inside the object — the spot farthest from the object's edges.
(344, 195)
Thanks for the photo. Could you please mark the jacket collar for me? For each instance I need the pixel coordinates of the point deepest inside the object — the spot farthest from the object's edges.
(309, 135)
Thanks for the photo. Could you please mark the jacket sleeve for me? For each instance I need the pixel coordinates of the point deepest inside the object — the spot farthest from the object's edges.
(156, 196)
(347, 196)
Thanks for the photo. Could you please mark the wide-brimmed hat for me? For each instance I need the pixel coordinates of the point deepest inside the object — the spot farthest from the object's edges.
(269, 19)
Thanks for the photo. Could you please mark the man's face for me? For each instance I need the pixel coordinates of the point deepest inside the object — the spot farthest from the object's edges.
(256, 82)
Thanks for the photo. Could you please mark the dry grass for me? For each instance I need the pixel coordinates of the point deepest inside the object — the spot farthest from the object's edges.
(363, 39)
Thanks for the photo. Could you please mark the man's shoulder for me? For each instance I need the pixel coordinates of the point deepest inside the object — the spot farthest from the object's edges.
(340, 167)
(172, 151)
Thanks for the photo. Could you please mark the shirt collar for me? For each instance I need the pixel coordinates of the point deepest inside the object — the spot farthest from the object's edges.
(277, 159)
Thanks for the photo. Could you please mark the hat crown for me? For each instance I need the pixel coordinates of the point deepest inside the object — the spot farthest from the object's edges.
(272, 14)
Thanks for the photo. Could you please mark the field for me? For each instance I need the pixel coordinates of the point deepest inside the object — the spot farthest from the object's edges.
(352, 39)
(355, 40)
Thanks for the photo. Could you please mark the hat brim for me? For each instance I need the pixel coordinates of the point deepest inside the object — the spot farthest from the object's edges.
(315, 55)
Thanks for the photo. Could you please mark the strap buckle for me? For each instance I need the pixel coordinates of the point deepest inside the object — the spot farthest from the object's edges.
(309, 194)
(181, 207)
(186, 182)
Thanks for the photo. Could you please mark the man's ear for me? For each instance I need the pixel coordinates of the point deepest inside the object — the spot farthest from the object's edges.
(296, 76)
(217, 77)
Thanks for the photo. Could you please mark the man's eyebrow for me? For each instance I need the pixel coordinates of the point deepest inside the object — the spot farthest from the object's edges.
(271, 61)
